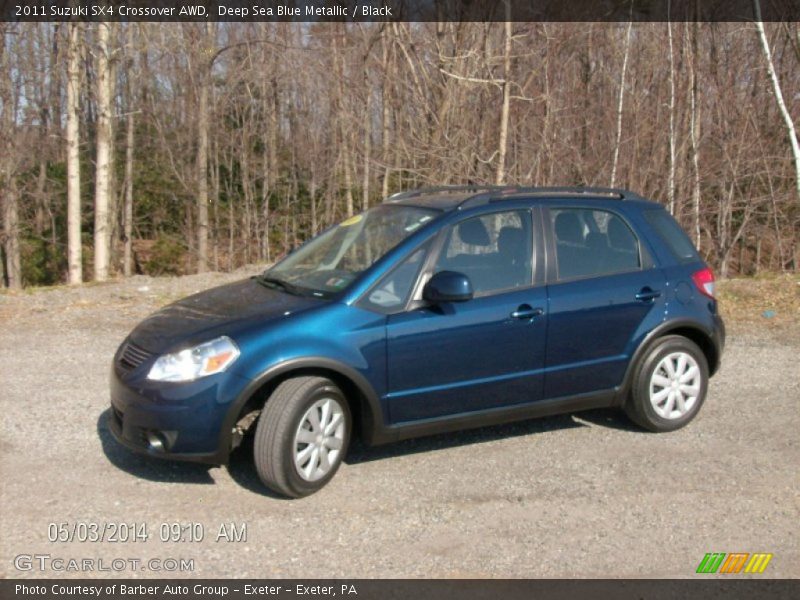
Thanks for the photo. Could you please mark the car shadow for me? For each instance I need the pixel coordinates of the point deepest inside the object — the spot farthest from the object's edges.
(242, 469)
(146, 467)
(611, 418)
(243, 472)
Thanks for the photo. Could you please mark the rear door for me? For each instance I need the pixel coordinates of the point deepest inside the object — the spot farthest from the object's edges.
(481, 354)
(603, 291)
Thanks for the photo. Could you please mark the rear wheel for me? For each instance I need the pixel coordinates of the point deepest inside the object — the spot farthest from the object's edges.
(302, 436)
(669, 386)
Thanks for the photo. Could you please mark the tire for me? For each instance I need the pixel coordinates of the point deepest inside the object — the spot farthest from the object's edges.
(669, 385)
(289, 449)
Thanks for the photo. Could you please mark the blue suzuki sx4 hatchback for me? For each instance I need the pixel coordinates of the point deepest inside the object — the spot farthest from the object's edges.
(439, 309)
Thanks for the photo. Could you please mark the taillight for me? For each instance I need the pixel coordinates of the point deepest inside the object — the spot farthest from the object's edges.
(704, 280)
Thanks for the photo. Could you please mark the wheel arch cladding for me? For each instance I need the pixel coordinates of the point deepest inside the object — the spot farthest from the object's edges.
(703, 342)
(364, 414)
(688, 330)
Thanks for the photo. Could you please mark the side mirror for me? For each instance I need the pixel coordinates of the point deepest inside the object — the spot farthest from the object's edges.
(447, 286)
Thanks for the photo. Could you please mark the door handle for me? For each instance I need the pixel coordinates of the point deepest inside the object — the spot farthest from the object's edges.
(525, 311)
(646, 294)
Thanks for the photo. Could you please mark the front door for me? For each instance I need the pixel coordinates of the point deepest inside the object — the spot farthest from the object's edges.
(481, 354)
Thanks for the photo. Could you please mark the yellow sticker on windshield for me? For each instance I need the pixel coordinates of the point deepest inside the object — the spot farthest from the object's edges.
(351, 221)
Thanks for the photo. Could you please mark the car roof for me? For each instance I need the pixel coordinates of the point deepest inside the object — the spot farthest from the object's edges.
(448, 198)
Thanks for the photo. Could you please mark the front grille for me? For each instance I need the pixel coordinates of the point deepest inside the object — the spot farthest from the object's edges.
(132, 356)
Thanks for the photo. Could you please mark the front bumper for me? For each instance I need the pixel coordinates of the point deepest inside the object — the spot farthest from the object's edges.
(138, 443)
(174, 421)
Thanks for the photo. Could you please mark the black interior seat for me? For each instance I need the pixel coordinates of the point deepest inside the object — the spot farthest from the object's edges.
(513, 256)
(598, 254)
(624, 247)
(570, 251)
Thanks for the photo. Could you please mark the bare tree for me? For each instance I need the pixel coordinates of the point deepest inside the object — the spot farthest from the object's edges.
(74, 248)
(130, 125)
(776, 87)
(344, 130)
(243, 139)
(618, 136)
(671, 171)
(11, 235)
(367, 133)
(385, 111)
(102, 184)
(502, 147)
(10, 90)
(206, 64)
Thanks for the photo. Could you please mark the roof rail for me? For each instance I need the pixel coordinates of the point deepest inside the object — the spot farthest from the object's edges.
(491, 193)
(553, 192)
(443, 189)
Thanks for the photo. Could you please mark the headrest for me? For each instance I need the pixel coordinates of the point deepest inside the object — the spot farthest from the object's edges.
(568, 228)
(510, 240)
(619, 236)
(473, 233)
(596, 241)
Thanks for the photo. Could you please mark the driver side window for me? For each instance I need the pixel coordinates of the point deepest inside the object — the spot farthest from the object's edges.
(494, 251)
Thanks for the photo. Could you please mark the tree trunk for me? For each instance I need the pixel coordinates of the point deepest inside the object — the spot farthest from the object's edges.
(215, 188)
(74, 249)
(265, 195)
(313, 193)
(671, 174)
(114, 192)
(385, 116)
(40, 204)
(3, 282)
(500, 174)
(618, 136)
(202, 180)
(367, 138)
(344, 130)
(348, 179)
(759, 239)
(202, 153)
(776, 87)
(694, 137)
(11, 228)
(10, 92)
(128, 213)
(103, 165)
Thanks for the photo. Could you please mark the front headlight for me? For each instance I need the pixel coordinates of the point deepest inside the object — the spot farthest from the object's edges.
(190, 364)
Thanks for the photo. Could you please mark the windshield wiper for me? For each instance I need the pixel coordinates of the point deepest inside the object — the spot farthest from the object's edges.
(274, 282)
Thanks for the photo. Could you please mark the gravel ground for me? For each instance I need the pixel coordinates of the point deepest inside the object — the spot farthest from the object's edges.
(584, 495)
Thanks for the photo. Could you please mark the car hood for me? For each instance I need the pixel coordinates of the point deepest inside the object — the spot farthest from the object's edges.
(218, 311)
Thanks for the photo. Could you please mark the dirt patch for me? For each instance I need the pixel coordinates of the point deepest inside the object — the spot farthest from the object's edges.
(773, 298)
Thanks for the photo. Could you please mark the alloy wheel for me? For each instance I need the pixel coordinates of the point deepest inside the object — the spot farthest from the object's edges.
(675, 385)
(319, 439)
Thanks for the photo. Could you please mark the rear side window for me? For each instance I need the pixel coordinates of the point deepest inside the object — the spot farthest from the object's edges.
(673, 236)
(592, 243)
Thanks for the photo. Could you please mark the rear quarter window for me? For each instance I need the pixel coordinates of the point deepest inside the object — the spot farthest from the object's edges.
(672, 235)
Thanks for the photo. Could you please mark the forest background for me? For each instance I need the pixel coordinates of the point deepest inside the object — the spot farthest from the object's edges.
(176, 148)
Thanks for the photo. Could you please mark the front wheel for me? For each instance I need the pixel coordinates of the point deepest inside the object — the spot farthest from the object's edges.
(302, 436)
(669, 385)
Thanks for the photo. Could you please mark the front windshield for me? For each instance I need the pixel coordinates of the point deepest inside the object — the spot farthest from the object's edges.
(330, 262)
